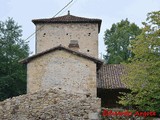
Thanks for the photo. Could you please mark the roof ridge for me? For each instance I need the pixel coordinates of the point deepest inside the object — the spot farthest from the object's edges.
(68, 16)
(69, 19)
(59, 47)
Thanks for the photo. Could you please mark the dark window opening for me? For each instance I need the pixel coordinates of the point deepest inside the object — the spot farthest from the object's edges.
(44, 34)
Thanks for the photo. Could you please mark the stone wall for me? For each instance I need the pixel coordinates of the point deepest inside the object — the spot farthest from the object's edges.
(52, 35)
(53, 104)
(62, 69)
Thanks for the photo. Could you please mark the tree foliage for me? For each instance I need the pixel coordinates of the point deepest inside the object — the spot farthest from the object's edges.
(117, 39)
(12, 49)
(143, 73)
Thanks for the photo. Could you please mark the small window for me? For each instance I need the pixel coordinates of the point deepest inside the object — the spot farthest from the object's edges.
(44, 34)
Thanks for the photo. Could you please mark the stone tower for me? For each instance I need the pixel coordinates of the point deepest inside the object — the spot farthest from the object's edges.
(66, 55)
(78, 33)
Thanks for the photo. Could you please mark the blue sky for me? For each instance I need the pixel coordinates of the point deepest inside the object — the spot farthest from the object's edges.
(110, 11)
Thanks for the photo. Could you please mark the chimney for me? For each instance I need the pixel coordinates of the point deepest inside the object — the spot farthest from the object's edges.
(74, 45)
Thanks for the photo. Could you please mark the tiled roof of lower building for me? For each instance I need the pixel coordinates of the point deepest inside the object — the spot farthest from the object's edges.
(60, 47)
(108, 77)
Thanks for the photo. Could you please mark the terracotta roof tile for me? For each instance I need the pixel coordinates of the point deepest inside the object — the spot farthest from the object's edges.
(108, 77)
(60, 47)
(68, 19)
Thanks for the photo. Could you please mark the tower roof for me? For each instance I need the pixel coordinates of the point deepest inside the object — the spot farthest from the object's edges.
(68, 19)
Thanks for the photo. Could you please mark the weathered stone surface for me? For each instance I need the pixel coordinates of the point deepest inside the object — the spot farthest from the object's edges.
(51, 104)
(52, 35)
(62, 69)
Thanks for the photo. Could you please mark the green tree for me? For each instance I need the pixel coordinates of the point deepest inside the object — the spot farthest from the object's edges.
(143, 73)
(12, 49)
(117, 40)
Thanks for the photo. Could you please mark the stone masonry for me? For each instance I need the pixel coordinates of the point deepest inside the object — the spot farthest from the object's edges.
(51, 35)
(72, 71)
(61, 76)
(62, 69)
(53, 104)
